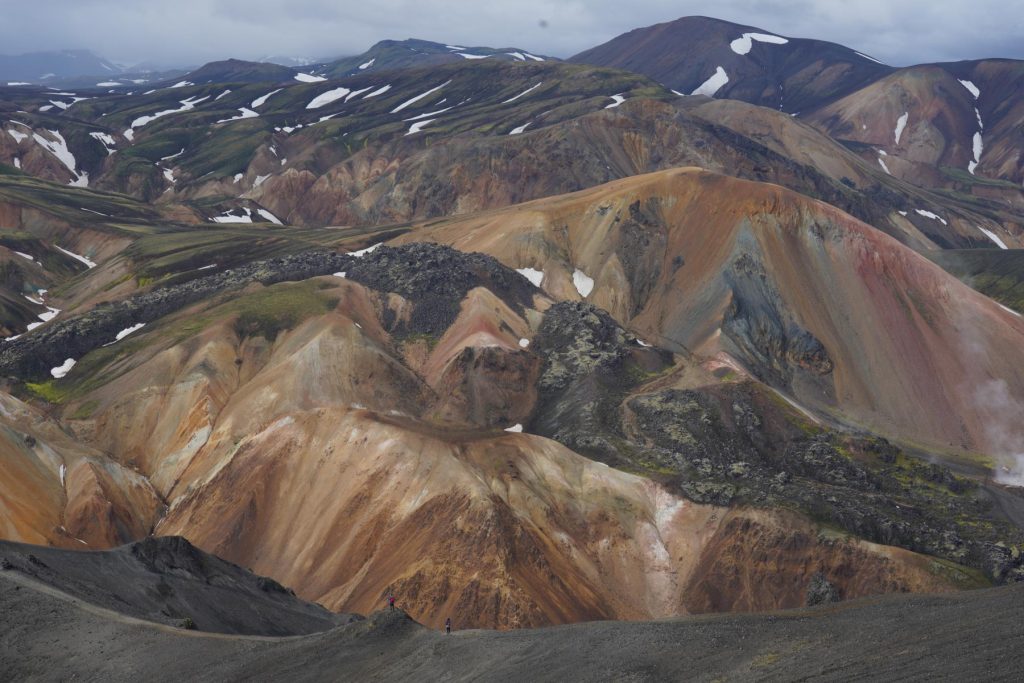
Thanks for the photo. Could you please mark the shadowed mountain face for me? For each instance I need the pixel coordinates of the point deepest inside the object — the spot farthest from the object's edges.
(698, 55)
(167, 580)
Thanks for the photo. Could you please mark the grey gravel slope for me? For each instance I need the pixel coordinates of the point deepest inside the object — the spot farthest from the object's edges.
(975, 635)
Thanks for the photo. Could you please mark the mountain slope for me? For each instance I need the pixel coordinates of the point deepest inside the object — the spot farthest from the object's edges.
(965, 636)
(937, 123)
(340, 434)
(167, 580)
(381, 148)
(758, 275)
(414, 54)
(700, 55)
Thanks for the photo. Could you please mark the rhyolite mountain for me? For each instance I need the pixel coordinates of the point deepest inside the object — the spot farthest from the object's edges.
(406, 144)
(700, 55)
(524, 342)
(955, 126)
(413, 53)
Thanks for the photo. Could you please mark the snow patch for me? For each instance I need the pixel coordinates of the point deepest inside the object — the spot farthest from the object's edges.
(261, 100)
(228, 217)
(308, 78)
(713, 84)
(364, 252)
(419, 97)
(418, 126)
(744, 43)
(63, 369)
(59, 149)
(584, 284)
(525, 92)
(186, 105)
(24, 255)
(973, 89)
(881, 162)
(617, 100)
(519, 129)
(378, 91)
(18, 137)
(77, 257)
(516, 428)
(223, 94)
(532, 274)
(471, 56)
(367, 65)
(269, 216)
(245, 114)
(182, 84)
(106, 140)
(128, 330)
(523, 343)
(354, 93)
(327, 97)
(861, 54)
(1009, 310)
(929, 214)
(979, 147)
(994, 237)
(901, 123)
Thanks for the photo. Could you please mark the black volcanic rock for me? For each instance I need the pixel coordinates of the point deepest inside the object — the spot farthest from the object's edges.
(436, 278)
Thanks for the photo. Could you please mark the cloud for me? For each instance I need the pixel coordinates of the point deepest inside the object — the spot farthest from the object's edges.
(194, 31)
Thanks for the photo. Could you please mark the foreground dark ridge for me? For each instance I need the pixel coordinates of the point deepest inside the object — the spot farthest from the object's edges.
(974, 635)
(169, 581)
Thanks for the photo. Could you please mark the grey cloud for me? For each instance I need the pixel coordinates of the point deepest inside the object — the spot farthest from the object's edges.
(898, 32)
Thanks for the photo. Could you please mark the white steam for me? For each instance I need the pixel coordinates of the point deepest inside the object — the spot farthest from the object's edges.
(1003, 427)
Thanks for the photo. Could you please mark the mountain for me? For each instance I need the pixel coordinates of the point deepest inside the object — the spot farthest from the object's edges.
(700, 55)
(960, 636)
(54, 67)
(522, 342)
(167, 580)
(939, 124)
(273, 408)
(239, 71)
(353, 151)
(413, 53)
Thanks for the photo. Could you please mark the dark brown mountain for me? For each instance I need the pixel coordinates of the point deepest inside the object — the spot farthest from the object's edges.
(700, 55)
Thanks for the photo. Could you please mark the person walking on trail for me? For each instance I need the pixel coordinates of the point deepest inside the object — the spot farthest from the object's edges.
(391, 601)
(448, 625)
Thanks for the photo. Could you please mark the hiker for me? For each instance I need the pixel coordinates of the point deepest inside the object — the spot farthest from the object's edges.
(448, 625)
(391, 601)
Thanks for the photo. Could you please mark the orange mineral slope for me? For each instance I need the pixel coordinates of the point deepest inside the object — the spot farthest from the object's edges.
(825, 308)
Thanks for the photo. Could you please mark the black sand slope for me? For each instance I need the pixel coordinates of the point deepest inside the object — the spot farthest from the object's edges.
(976, 635)
(169, 581)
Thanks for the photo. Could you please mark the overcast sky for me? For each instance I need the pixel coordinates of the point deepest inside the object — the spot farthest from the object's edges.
(186, 32)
